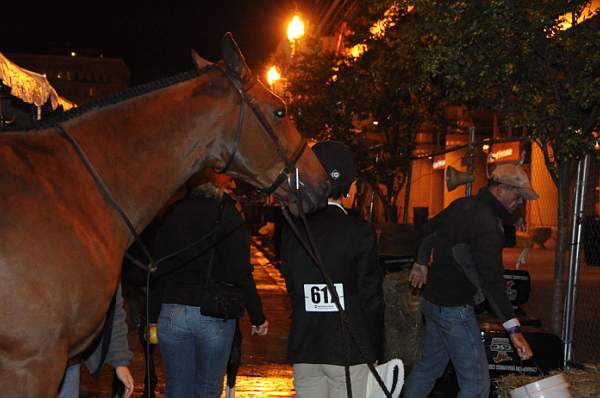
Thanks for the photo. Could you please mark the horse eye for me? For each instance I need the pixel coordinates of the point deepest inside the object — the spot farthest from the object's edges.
(279, 112)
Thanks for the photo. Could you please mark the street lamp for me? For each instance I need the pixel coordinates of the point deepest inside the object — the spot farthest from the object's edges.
(273, 75)
(295, 30)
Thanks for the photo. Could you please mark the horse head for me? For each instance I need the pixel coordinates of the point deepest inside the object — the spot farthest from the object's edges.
(267, 150)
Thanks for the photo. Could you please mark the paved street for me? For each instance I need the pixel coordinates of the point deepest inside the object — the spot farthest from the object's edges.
(540, 264)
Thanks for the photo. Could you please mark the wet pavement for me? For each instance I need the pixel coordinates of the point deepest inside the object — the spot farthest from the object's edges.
(263, 372)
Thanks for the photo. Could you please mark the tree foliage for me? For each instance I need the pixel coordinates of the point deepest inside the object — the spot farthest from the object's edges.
(518, 58)
(375, 102)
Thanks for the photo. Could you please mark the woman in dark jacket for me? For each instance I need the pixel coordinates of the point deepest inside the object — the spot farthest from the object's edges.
(194, 347)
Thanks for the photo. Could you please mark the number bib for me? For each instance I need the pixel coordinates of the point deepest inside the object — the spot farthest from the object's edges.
(317, 298)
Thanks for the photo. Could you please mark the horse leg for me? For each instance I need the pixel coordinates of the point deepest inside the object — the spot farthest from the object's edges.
(34, 377)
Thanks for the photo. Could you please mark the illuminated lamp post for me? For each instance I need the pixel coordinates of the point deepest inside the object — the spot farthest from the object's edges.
(273, 76)
(295, 30)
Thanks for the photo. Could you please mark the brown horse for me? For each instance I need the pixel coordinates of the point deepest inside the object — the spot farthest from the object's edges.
(61, 242)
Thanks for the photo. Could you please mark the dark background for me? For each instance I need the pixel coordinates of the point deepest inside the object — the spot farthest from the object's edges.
(154, 40)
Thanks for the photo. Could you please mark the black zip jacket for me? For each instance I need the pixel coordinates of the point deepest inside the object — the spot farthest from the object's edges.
(180, 280)
(475, 221)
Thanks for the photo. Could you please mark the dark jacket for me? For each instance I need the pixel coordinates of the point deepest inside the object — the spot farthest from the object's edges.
(477, 222)
(180, 280)
(347, 246)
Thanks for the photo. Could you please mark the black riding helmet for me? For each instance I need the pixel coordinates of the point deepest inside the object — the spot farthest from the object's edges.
(338, 161)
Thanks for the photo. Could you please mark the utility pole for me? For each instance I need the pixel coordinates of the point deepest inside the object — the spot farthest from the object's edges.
(407, 184)
(470, 148)
(371, 204)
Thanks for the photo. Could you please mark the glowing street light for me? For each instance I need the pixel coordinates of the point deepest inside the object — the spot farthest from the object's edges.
(273, 75)
(295, 29)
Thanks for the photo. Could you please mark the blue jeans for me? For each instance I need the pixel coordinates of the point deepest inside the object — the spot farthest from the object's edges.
(451, 333)
(195, 349)
(70, 384)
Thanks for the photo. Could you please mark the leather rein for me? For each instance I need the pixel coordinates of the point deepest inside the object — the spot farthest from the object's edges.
(284, 174)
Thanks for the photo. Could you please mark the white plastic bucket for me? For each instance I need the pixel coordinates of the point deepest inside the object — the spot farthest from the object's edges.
(551, 387)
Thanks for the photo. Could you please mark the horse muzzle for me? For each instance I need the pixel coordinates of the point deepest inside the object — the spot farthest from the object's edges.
(304, 198)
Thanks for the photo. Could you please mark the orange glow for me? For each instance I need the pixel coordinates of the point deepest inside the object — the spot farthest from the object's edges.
(378, 29)
(273, 75)
(295, 28)
(275, 380)
(357, 50)
(566, 21)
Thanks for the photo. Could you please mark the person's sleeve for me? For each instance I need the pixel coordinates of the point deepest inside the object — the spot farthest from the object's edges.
(486, 246)
(370, 285)
(436, 222)
(427, 235)
(235, 250)
(118, 353)
(425, 249)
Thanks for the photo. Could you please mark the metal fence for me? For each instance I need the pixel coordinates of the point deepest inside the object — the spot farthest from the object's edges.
(584, 306)
(586, 348)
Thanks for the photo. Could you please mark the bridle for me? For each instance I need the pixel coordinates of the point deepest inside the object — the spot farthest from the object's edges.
(289, 162)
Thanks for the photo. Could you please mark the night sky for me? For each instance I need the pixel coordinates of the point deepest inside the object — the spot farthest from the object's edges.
(154, 39)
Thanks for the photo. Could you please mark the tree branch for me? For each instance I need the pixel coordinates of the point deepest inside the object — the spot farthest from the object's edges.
(549, 163)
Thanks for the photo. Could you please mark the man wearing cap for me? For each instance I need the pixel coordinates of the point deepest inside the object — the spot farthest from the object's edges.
(451, 328)
(318, 345)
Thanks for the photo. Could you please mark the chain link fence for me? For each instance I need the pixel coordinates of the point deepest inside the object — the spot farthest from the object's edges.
(587, 311)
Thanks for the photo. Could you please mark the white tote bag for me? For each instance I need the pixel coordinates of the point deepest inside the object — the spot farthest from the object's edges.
(392, 374)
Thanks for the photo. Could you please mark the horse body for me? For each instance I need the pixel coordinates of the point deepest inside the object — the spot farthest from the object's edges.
(61, 242)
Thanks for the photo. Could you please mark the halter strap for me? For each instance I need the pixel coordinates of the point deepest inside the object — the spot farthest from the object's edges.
(289, 163)
(285, 172)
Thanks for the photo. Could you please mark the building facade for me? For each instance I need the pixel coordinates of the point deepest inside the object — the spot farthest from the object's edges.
(80, 79)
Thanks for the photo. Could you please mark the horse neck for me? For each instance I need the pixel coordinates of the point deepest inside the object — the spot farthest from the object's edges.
(146, 147)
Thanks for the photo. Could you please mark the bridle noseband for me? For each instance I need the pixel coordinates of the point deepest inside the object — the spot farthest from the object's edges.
(289, 162)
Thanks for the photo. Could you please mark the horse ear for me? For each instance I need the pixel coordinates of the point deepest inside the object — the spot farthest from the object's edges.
(199, 61)
(234, 59)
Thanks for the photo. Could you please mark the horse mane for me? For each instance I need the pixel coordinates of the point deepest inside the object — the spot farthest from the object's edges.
(127, 94)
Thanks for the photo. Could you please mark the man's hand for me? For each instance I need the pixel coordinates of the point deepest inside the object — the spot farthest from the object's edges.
(418, 275)
(126, 378)
(260, 330)
(522, 346)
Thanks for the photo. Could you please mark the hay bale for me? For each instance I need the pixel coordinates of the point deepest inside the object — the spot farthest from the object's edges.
(403, 320)
(585, 383)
